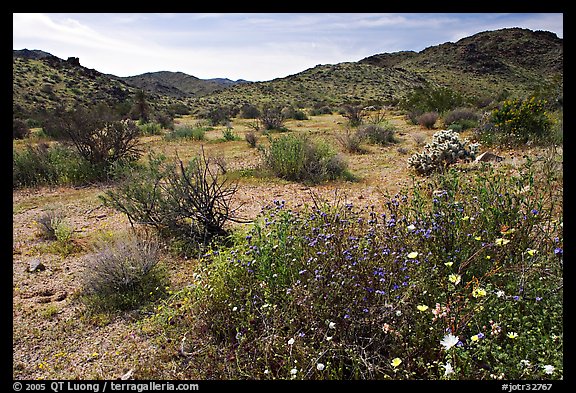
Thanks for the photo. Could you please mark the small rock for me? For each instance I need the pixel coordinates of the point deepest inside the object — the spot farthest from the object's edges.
(488, 156)
(36, 266)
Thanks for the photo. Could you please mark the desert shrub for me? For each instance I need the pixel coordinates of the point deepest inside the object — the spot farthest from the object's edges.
(351, 141)
(290, 112)
(517, 121)
(354, 113)
(251, 138)
(20, 129)
(42, 164)
(185, 132)
(164, 119)
(97, 134)
(444, 150)
(460, 278)
(465, 117)
(123, 274)
(431, 99)
(47, 224)
(296, 157)
(216, 115)
(228, 134)
(380, 134)
(320, 110)
(248, 111)
(179, 109)
(189, 204)
(428, 119)
(150, 128)
(272, 118)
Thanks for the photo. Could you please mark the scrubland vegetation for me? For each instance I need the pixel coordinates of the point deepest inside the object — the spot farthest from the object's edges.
(456, 276)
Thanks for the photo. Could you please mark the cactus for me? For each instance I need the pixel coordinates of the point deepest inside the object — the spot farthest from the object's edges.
(444, 150)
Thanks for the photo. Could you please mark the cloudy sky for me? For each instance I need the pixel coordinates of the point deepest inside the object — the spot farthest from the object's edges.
(253, 46)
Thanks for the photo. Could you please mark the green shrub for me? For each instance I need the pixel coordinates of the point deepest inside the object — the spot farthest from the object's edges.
(185, 132)
(123, 275)
(42, 164)
(150, 128)
(229, 135)
(518, 121)
(380, 134)
(464, 117)
(296, 157)
(431, 99)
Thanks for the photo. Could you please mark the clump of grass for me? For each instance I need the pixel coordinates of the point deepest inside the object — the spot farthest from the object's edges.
(54, 227)
(460, 278)
(44, 164)
(123, 275)
(47, 224)
(185, 132)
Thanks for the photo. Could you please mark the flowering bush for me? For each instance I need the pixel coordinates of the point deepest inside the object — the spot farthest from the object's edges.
(444, 150)
(461, 279)
(517, 121)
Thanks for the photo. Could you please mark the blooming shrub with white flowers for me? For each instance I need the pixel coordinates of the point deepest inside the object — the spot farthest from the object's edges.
(463, 282)
(445, 149)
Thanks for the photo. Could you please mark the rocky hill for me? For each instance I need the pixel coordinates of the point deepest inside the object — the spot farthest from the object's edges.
(491, 64)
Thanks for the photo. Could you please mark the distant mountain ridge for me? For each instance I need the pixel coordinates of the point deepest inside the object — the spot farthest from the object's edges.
(178, 84)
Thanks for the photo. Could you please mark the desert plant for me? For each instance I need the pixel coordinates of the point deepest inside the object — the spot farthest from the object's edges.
(228, 134)
(519, 121)
(44, 164)
(354, 113)
(123, 274)
(296, 157)
(460, 278)
(97, 134)
(351, 141)
(380, 134)
(47, 224)
(189, 204)
(251, 138)
(272, 118)
(248, 111)
(186, 132)
(150, 128)
(444, 150)
(19, 129)
(465, 117)
(428, 119)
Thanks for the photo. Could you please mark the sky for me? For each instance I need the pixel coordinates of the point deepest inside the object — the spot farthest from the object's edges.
(250, 46)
